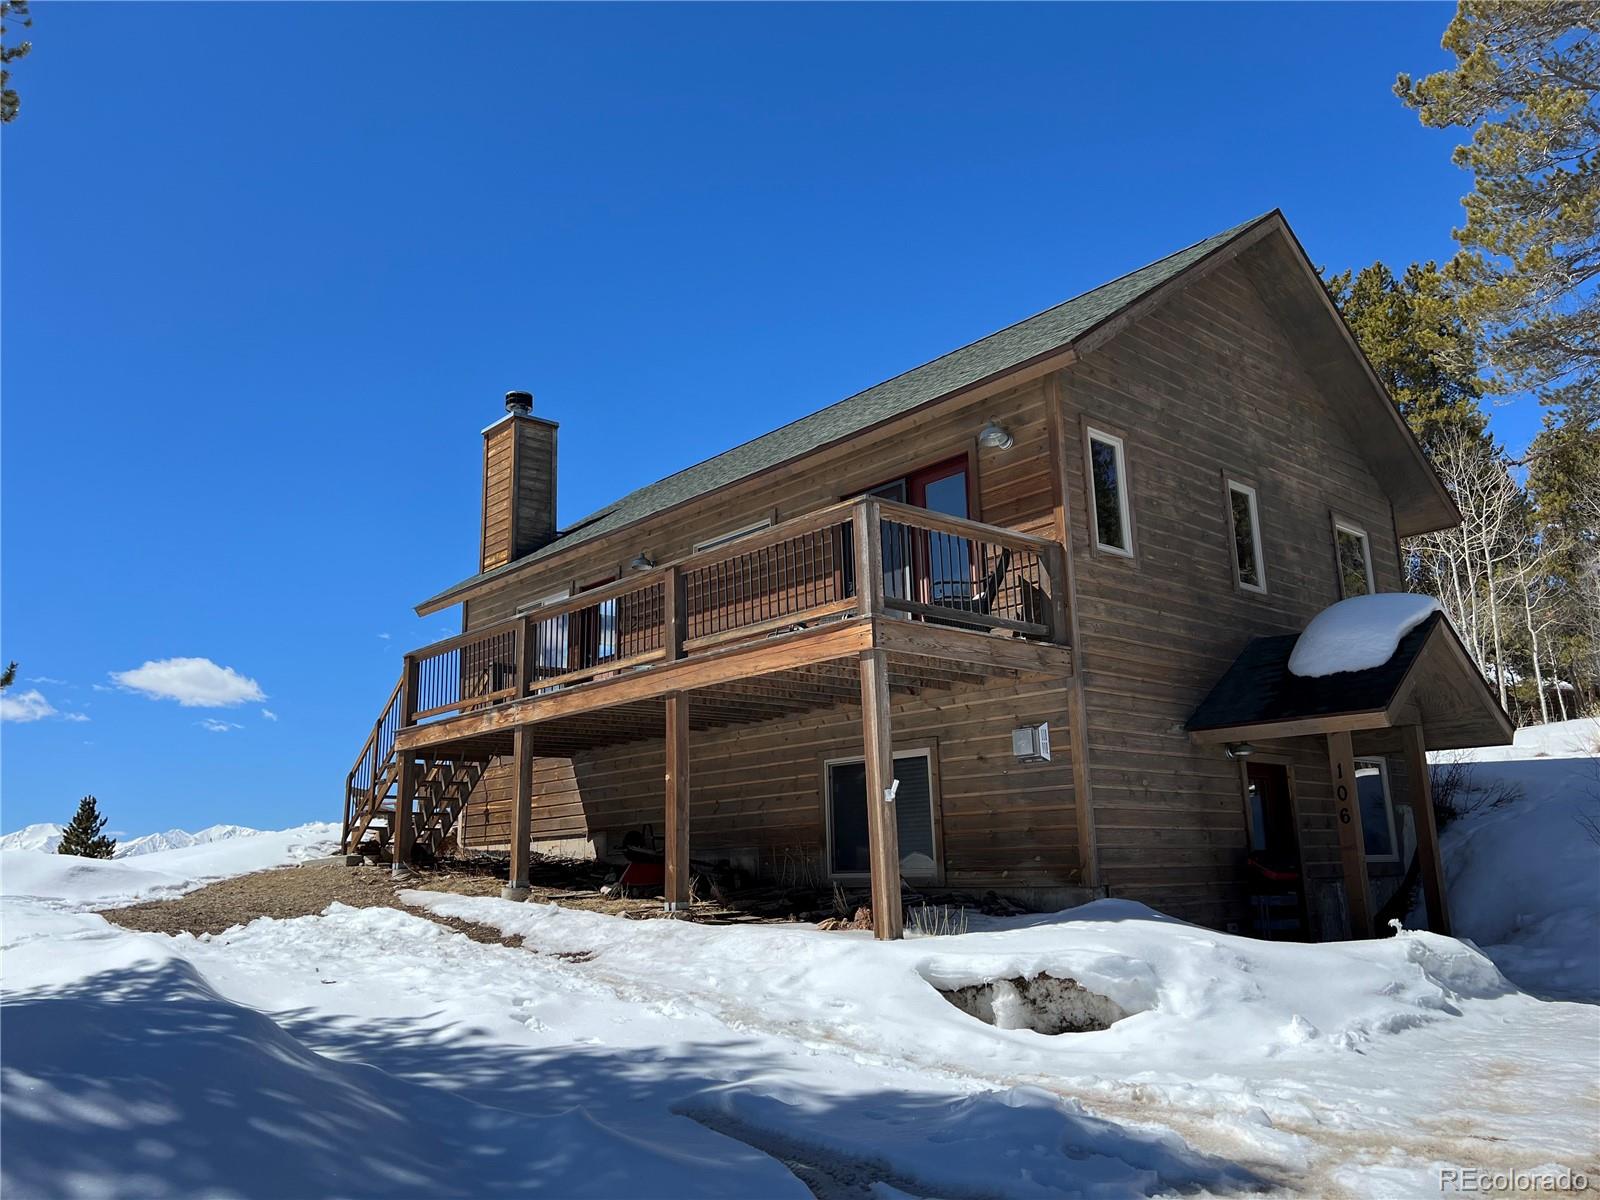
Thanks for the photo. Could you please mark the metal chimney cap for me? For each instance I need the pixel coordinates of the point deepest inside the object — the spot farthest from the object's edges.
(519, 403)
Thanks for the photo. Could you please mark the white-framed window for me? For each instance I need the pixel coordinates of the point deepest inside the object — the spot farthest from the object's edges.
(1354, 555)
(1377, 810)
(1108, 493)
(845, 782)
(1244, 528)
(733, 535)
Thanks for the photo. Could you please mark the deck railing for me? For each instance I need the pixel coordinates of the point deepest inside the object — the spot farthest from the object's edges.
(862, 557)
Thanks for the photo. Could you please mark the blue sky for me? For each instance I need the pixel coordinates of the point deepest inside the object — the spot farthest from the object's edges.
(267, 270)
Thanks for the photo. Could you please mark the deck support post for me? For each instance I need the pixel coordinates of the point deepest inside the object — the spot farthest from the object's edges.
(1352, 842)
(675, 890)
(1427, 831)
(1064, 597)
(401, 832)
(883, 835)
(521, 815)
(401, 835)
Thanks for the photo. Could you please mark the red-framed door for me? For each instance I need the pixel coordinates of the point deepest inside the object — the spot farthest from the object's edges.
(919, 565)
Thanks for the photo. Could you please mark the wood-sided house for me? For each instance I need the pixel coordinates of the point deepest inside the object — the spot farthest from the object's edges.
(1013, 620)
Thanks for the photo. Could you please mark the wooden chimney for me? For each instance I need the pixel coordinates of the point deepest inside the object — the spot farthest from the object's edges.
(519, 484)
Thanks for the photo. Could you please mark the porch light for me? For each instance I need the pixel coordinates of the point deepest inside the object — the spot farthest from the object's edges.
(642, 562)
(995, 437)
(1239, 749)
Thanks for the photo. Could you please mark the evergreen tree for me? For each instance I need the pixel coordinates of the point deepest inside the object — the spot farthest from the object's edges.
(1527, 84)
(1564, 493)
(1412, 331)
(12, 12)
(84, 834)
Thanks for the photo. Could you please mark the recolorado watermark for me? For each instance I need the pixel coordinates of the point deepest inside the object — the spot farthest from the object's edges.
(1531, 1180)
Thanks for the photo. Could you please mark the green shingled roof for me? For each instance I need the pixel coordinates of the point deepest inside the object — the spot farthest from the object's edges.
(1050, 330)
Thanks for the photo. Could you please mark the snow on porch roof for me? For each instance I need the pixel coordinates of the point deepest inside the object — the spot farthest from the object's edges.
(1428, 680)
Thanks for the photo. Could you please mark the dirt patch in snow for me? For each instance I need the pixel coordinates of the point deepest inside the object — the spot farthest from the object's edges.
(303, 891)
(1043, 1003)
(282, 893)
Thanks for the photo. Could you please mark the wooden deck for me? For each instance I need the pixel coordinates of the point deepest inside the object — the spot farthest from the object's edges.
(841, 608)
(774, 677)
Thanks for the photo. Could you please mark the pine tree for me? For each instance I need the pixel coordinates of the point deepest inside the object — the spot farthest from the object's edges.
(84, 835)
(1527, 84)
(12, 12)
(1412, 331)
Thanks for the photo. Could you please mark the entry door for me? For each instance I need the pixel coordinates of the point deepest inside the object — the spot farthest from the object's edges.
(942, 561)
(1277, 897)
(928, 568)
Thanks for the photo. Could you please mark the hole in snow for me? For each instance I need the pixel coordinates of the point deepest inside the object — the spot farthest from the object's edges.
(1043, 1003)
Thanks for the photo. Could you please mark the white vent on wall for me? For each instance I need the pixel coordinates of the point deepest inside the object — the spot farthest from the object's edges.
(1031, 743)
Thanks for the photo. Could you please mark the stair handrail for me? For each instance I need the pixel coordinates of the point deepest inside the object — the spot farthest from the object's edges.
(371, 746)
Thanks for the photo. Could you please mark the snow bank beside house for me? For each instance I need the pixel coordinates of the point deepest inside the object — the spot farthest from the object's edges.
(1524, 874)
(1216, 1000)
(1359, 633)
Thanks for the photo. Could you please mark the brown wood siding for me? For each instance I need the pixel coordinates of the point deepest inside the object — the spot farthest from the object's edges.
(536, 486)
(760, 787)
(497, 512)
(1204, 385)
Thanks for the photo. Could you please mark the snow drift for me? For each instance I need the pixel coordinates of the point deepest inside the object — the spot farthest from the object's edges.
(1524, 874)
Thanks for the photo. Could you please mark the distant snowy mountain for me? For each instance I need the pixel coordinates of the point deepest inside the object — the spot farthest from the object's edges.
(45, 837)
(178, 839)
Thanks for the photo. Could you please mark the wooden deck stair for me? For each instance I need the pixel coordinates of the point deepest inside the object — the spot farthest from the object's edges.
(372, 789)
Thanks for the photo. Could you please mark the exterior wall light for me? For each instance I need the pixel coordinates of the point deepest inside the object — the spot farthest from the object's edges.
(642, 562)
(1239, 749)
(995, 437)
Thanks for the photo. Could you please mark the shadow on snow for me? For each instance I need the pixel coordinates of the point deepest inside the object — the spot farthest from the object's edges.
(146, 1082)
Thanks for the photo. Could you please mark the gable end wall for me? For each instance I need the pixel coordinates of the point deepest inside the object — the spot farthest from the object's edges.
(1206, 383)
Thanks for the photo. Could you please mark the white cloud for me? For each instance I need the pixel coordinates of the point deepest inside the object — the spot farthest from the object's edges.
(269, 714)
(74, 716)
(385, 636)
(25, 706)
(216, 726)
(100, 687)
(192, 682)
(46, 679)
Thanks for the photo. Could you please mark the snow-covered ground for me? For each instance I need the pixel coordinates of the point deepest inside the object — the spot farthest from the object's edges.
(1523, 865)
(65, 882)
(376, 1052)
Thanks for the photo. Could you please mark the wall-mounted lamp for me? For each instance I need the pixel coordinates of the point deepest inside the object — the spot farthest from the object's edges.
(642, 562)
(1239, 749)
(995, 437)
